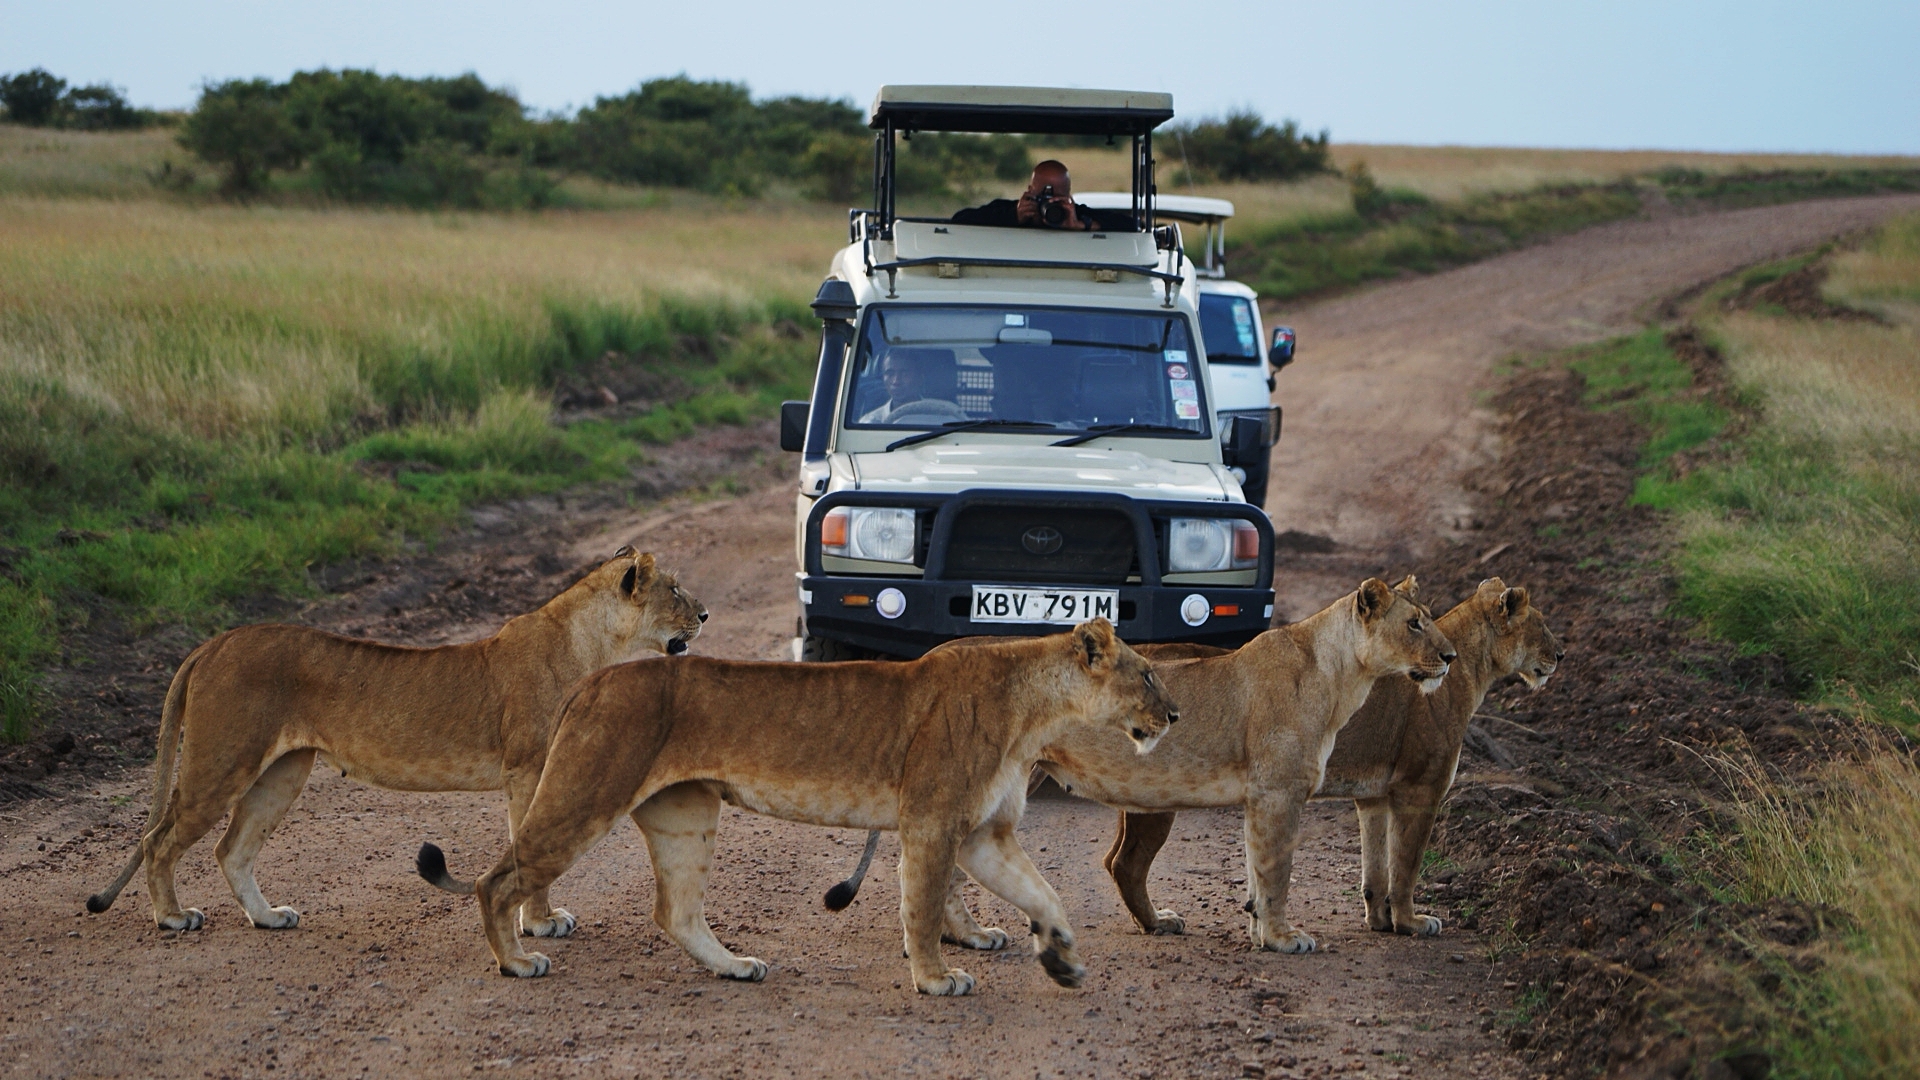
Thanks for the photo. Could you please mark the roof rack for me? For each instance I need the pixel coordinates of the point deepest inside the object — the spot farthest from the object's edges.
(1212, 214)
(1014, 109)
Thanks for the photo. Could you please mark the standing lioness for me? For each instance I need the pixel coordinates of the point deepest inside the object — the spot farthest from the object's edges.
(937, 747)
(250, 710)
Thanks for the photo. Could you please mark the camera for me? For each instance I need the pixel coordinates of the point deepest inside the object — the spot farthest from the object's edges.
(1052, 208)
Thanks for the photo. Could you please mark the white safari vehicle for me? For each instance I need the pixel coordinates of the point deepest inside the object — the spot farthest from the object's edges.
(1238, 354)
(1011, 429)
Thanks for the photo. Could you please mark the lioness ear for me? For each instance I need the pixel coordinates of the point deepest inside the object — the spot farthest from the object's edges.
(1409, 586)
(1372, 599)
(1491, 586)
(1513, 602)
(1093, 642)
(625, 550)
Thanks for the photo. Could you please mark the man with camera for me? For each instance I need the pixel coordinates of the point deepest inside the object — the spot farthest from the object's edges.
(1046, 204)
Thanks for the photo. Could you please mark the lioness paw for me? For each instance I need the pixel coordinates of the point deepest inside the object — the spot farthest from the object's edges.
(558, 925)
(1166, 922)
(988, 939)
(1293, 941)
(1061, 970)
(1421, 926)
(280, 918)
(749, 969)
(190, 919)
(530, 966)
(955, 983)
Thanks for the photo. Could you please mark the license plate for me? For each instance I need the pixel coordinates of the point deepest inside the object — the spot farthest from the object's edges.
(1002, 604)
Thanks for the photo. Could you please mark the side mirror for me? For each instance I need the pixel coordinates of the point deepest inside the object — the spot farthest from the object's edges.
(1281, 354)
(1245, 441)
(793, 425)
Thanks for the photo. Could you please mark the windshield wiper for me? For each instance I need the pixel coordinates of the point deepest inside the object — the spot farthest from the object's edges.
(1100, 431)
(954, 427)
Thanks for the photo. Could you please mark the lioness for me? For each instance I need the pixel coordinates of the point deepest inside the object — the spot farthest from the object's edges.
(1395, 759)
(937, 747)
(249, 710)
(1259, 724)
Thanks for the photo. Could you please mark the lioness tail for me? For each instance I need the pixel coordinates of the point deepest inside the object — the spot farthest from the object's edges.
(432, 865)
(842, 894)
(165, 753)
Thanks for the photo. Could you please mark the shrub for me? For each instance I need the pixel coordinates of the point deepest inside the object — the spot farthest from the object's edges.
(242, 127)
(1245, 147)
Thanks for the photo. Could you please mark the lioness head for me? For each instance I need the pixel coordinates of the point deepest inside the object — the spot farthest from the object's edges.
(1124, 686)
(1522, 644)
(654, 613)
(1399, 633)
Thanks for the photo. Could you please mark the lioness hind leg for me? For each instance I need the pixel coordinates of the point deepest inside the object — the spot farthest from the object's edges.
(996, 860)
(960, 928)
(208, 784)
(1273, 830)
(1374, 879)
(538, 916)
(255, 816)
(1139, 838)
(679, 824)
(1412, 827)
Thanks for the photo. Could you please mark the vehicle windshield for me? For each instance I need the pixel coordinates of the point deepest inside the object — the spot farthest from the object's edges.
(1227, 326)
(1059, 369)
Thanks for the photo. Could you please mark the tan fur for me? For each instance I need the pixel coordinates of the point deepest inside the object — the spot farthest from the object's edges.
(250, 711)
(937, 748)
(1257, 726)
(1395, 759)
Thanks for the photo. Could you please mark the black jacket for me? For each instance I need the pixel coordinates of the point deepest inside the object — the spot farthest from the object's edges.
(1005, 213)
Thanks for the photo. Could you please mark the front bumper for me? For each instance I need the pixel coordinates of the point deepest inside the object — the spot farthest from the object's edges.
(938, 611)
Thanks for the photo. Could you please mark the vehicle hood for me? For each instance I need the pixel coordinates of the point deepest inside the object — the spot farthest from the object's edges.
(949, 467)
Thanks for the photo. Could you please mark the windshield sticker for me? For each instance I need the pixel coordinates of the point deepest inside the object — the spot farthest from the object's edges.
(1175, 356)
(1187, 410)
(1016, 320)
(1246, 338)
(1241, 316)
(1183, 390)
(1178, 371)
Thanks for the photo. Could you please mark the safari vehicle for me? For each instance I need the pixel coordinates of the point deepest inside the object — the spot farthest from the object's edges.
(1238, 354)
(1011, 428)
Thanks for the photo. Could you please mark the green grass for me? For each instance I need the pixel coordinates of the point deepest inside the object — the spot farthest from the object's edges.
(1404, 232)
(1643, 377)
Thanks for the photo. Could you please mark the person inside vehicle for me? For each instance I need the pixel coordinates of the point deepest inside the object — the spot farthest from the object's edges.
(1046, 204)
(913, 378)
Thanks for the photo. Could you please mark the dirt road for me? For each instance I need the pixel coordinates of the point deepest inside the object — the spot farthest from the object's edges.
(384, 977)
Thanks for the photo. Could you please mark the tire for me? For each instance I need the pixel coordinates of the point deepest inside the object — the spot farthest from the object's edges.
(814, 650)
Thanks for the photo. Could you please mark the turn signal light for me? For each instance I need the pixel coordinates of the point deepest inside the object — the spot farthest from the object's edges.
(1226, 609)
(1246, 544)
(856, 600)
(833, 529)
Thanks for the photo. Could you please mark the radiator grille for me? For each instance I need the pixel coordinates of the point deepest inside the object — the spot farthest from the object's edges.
(1042, 543)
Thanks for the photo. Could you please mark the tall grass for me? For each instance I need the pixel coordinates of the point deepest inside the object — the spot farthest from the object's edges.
(193, 400)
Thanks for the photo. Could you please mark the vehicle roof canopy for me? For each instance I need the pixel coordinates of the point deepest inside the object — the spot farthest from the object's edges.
(1036, 110)
(1195, 208)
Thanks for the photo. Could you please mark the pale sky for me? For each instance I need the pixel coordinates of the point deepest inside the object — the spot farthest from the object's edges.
(1839, 76)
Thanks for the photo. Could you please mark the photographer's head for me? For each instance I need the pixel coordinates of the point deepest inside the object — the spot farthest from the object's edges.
(1048, 200)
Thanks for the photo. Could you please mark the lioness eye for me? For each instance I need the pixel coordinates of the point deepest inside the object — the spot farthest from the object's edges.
(1413, 625)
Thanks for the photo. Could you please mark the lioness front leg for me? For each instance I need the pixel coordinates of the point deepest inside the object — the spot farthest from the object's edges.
(1139, 838)
(538, 917)
(679, 824)
(995, 859)
(255, 817)
(960, 928)
(1273, 830)
(1375, 816)
(926, 871)
(1412, 827)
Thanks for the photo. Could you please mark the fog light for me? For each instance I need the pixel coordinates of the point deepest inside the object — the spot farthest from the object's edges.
(891, 603)
(1195, 610)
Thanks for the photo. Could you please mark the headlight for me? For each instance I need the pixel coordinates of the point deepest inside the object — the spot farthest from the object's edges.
(881, 533)
(1200, 544)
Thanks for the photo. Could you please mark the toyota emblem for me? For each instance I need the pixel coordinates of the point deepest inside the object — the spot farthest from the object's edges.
(1042, 540)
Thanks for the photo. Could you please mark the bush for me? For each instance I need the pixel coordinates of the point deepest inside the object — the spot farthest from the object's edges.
(242, 127)
(1246, 147)
(39, 98)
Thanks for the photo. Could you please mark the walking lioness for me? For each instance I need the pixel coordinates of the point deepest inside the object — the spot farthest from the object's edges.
(1257, 726)
(938, 748)
(250, 710)
(1395, 759)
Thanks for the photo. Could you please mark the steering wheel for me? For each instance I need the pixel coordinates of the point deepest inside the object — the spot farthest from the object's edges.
(935, 409)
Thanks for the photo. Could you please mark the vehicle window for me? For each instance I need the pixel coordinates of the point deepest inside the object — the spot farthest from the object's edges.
(921, 367)
(1227, 326)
